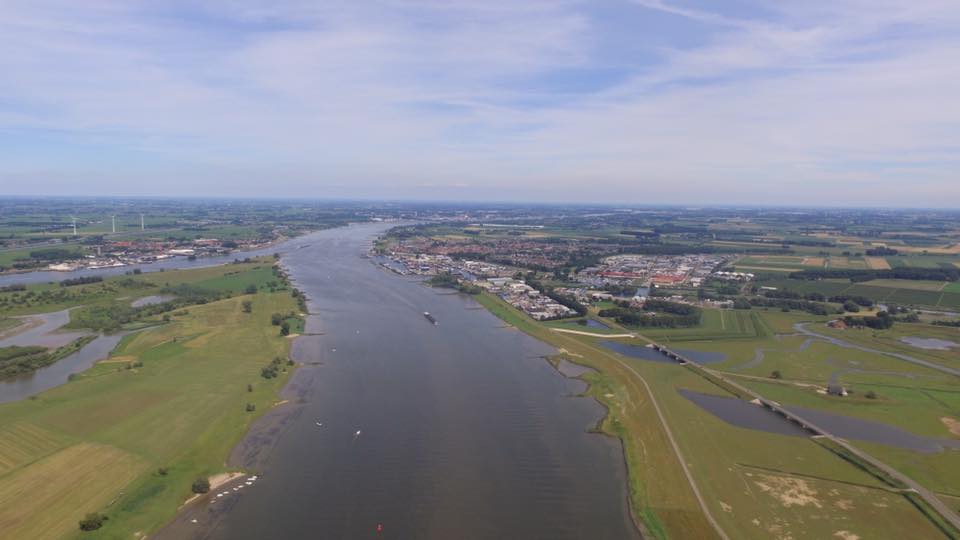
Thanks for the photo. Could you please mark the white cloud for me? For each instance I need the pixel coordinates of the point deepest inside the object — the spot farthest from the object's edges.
(388, 97)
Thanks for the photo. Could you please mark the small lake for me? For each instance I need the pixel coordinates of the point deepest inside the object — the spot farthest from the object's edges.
(744, 414)
(652, 355)
(151, 300)
(590, 323)
(931, 344)
(29, 384)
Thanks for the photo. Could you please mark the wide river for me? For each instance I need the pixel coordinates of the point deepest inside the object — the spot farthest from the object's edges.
(464, 430)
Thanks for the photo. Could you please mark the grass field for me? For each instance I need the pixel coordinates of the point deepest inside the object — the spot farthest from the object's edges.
(105, 434)
(9, 256)
(756, 485)
(934, 294)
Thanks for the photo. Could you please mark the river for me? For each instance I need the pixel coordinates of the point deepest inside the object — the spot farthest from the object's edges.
(465, 431)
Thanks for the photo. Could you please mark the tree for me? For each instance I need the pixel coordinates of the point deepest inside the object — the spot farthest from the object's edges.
(251, 289)
(247, 306)
(776, 374)
(200, 485)
(162, 471)
(249, 388)
(251, 407)
(870, 394)
(285, 329)
(166, 317)
(92, 521)
(276, 319)
(851, 306)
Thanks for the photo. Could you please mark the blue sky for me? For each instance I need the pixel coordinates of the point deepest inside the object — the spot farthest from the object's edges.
(839, 102)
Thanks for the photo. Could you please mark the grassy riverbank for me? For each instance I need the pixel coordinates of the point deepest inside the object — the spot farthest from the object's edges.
(752, 484)
(128, 437)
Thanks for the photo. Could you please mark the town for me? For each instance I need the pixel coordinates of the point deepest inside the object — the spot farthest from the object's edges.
(625, 278)
(111, 254)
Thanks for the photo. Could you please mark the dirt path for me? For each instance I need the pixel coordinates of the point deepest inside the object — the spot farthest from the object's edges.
(592, 334)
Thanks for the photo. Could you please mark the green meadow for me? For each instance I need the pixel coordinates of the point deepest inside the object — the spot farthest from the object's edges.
(128, 437)
(754, 484)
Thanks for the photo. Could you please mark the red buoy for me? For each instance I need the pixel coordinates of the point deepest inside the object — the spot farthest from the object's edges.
(379, 527)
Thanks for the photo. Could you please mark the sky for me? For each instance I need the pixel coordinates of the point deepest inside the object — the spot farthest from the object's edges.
(819, 102)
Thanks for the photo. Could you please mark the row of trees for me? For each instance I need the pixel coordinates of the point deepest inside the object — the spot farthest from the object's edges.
(881, 321)
(82, 280)
(816, 308)
(655, 313)
(932, 274)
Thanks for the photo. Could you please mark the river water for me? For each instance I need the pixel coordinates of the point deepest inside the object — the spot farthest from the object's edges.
(464, 430)
(45, 378)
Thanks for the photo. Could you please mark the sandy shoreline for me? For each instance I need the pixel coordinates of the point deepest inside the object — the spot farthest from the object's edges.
(198, 516)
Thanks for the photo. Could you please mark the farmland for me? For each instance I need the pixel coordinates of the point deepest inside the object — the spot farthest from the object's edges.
(173, 398)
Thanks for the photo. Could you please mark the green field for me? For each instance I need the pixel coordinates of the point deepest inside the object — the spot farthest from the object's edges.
(893, 291)
(786, 487)
(105, 434)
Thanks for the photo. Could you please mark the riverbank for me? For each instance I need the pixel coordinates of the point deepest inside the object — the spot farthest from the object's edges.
(655, 473)
(682, 462)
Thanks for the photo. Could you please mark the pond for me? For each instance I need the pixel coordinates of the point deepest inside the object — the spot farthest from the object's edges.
(590, 323)
(648, 353)
(745, 414)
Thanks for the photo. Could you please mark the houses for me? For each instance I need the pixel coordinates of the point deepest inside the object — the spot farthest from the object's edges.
(667, 270)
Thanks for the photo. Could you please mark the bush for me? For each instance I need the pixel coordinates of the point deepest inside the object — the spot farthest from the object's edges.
(851, 307)
(251, 407)
(162, 471)
(247, 306)
(200, 485)
(92, 521)
(870, 394)
(285, 329)
(276, 319)
(251, 289)
(776, 374)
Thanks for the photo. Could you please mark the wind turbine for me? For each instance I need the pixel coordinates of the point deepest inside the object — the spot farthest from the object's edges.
(113, 223)
(74, 225)
(141, 222)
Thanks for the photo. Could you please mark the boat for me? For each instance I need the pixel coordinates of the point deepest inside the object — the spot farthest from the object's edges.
(429, 317)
